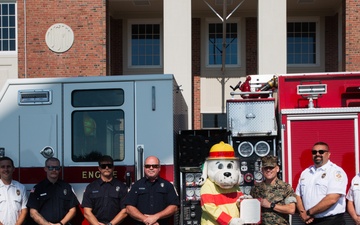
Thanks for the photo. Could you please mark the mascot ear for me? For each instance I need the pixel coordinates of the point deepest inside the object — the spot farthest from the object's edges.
(241, 178)
(204, 174)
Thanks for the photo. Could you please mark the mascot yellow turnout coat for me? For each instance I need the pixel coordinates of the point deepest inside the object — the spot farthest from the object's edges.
(220, 191)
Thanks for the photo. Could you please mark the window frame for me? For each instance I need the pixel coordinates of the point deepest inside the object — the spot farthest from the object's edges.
(205, 120)
(315, 20)
(239, 42)
(11, 52)
(129, 29)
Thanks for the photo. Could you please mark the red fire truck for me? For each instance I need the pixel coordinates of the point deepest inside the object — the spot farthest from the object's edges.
(285, 118)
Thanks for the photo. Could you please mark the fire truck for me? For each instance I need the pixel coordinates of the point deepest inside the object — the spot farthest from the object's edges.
(281, 115)
(131, 117)
(78, 119)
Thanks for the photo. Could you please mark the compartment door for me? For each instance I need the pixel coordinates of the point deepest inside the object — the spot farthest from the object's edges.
(339, 132)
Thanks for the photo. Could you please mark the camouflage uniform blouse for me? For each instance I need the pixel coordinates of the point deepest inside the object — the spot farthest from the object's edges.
(276, 193)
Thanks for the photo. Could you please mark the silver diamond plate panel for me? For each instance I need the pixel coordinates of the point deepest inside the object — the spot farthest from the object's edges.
(246, 118)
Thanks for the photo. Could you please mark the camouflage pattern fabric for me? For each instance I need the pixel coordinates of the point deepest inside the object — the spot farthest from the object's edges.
(273, 193)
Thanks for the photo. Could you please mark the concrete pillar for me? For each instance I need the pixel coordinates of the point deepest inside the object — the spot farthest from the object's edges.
(177, 46)
(272, 36)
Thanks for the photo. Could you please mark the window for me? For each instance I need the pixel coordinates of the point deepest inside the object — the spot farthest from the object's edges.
(145, 45)
(215, 44)
(213, 120)
(97, 132)
(302, 43)
(7, 27)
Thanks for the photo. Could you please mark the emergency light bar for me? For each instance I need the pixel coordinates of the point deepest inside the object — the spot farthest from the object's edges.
(311, 92)
(311, 89)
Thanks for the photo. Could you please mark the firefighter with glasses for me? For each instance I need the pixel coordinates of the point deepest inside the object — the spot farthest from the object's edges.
(277, 197)
(321, 190)
(52, 201)
(103, 198)
(152, 200)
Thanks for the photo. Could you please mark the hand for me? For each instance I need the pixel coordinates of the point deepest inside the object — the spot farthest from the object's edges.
(150, 219)
(265, 203)
(245, 197)
(236, 221)
(304, 217)
(242, 198)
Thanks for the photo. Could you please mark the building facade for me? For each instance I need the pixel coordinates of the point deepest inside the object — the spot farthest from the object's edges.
(185, 38)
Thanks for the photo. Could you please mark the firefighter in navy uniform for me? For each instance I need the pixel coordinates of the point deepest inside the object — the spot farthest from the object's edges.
(103, 198)
(151, 200)
(52, 201)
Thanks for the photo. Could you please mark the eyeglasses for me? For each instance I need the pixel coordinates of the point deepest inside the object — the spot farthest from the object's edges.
(51, 168)
(268, 168)
(103, 166)
(314, 152)
(155, 166)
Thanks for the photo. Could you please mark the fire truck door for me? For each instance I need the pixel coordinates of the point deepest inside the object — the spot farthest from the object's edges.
(341, 133)
(98, 120)
(37, 132)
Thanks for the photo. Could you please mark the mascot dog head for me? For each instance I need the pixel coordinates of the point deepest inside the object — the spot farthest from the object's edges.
(222, 167)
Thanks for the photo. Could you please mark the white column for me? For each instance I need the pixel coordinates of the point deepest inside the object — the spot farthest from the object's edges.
(272, 36)
(177, 46)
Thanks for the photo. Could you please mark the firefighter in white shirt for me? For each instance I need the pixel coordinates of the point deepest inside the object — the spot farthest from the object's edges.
(353, 197)
(321, 190)
(13, 196)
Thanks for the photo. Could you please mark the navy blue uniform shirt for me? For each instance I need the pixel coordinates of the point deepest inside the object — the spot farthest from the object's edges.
(152, 197)
(52, 201)
(105, 198)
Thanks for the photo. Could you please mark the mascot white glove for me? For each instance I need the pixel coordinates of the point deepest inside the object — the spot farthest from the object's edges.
(236, 221)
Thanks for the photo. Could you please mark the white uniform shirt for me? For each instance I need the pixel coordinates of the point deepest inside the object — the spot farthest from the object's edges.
(13, 199)
(354, 193)
(315, 183)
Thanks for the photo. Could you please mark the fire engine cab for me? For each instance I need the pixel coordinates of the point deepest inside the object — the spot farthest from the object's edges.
(79, 119)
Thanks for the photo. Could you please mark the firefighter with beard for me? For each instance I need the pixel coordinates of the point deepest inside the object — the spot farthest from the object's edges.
(321, 190)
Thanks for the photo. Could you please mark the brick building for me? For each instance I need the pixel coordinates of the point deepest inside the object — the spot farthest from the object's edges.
(115, 37)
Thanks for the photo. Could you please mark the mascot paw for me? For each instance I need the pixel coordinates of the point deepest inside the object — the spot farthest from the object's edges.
(236, 221)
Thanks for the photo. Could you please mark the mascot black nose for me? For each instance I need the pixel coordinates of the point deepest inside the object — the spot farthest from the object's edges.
(227, 174)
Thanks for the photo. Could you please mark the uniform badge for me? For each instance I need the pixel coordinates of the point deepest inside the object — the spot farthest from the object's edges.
(18, 192)
(323, 175)
(338, 175)
(65, 192)
(117, 188)
(162, 185)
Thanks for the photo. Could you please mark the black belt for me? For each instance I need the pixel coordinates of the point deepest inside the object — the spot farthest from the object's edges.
(337, 217)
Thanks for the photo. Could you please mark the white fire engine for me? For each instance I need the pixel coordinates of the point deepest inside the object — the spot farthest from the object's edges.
(78, 119)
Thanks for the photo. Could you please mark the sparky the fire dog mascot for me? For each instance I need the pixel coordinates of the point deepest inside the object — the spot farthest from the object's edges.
(220, 192)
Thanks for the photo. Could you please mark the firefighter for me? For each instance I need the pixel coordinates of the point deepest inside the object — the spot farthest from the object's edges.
(353, 197)
(13, 196)
(52, 201)
(321, 190)
(151, 200)
(277, 197)
(103, 198)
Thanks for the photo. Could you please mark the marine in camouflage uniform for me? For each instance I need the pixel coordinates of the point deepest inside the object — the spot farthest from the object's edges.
(277, 197)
